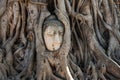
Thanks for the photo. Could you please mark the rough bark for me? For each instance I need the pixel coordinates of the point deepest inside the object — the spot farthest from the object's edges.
(91, 42)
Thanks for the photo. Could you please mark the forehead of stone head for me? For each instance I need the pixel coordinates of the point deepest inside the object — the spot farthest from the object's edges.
(52, 21)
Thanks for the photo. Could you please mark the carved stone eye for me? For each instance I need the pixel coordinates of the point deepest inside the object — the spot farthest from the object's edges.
(51, 33)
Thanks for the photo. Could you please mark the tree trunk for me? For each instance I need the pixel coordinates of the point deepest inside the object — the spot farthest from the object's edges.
(89, 47)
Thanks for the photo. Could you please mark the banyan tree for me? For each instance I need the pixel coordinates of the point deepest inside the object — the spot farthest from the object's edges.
(59, 40)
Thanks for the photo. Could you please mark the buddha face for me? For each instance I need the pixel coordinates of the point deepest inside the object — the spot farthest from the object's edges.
(53, 37)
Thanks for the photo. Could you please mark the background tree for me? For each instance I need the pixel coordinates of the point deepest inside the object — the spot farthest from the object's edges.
(84, 37)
